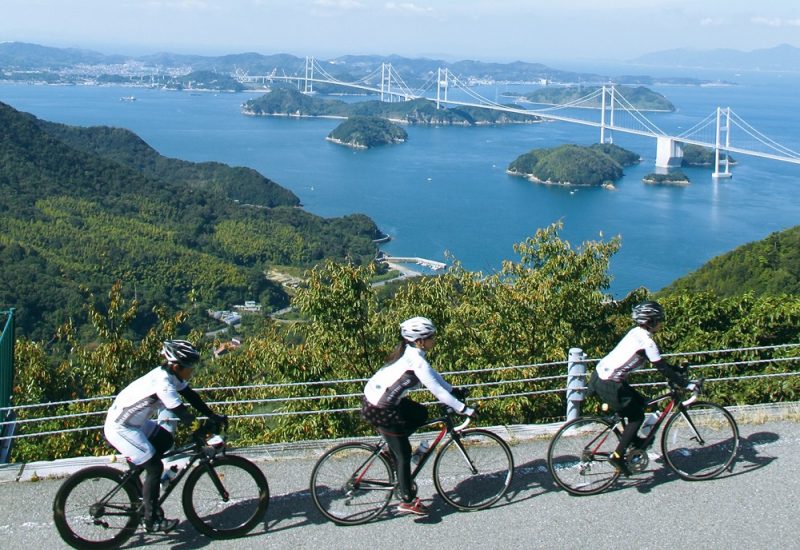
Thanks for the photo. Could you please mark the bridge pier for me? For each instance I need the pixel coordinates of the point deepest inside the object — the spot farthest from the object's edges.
(669, 153)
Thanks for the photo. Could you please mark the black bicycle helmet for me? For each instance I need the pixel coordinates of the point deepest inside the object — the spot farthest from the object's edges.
(181, 352)
(648, 314)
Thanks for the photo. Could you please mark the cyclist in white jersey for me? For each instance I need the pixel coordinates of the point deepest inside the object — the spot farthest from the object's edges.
(609, 380)
(129, 426)
(395, 416)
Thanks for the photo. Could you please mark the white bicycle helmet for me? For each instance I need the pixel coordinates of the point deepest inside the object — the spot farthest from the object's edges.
(181, 352)
(648, 313)
(417, 328)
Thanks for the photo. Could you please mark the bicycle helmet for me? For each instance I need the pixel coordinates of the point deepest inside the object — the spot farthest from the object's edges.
(181, 352)
(648, 314)
(417, 328)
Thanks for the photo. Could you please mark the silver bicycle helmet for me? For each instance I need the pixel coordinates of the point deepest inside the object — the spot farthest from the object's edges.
(417, 328)
(181, 352)
(648, 313)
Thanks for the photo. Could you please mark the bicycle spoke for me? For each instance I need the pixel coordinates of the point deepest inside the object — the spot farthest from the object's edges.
(476, 473)
(701, 441)
(578, 456)
(352, 484)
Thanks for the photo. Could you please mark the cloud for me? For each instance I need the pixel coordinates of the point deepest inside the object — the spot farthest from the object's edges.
(711, 22)
(338, 4)
(775, 22)
(407, 7)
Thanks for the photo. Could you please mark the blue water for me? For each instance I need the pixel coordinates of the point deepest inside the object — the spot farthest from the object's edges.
(445, 194)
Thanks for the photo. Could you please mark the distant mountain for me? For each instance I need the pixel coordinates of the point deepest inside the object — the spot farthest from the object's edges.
(779, 58)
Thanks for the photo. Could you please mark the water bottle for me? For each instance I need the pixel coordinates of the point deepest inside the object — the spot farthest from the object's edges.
(647, 425)
(421, 450)
(168, 475)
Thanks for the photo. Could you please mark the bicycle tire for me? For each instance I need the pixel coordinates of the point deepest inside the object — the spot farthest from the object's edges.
(236, 512)
(84, 525)
(695, 460)
(577, 456)
(479, 479)
(352, 484)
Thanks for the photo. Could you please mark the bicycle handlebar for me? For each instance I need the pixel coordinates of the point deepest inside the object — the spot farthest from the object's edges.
(698, 386)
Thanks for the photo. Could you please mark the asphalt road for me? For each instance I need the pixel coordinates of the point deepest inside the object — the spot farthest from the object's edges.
(752, 507)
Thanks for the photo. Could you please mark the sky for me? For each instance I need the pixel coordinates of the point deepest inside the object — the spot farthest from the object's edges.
(486, 30)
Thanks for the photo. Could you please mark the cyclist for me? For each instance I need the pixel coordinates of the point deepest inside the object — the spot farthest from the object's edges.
(394, 415)
(129, 426)
(609, 380)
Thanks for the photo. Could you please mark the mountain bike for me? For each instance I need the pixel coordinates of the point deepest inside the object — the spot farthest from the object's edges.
(699, 441)
(224, 496)
(353, 483)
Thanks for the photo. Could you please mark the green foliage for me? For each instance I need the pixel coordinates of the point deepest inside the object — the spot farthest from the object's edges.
(288, 102)
(640, 97)
(767, 267)
(367, 131)
(573, 164)
(695, 155)
(85, 207)
(674, 177)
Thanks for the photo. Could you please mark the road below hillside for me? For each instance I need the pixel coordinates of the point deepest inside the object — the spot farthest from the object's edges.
(751, 507)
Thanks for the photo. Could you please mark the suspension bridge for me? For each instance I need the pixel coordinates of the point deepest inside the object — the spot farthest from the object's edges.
(723, 130)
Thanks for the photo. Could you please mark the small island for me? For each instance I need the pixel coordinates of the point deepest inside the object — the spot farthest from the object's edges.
(675, 177)
(364, 132)
(695, 155)
(640, 97)
(597, 165)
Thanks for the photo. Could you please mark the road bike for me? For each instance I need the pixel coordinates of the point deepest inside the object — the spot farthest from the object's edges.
(699, 441)
(224, 496)
(353, 483)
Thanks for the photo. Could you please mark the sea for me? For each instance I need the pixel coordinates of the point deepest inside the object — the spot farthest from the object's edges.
(445, 194)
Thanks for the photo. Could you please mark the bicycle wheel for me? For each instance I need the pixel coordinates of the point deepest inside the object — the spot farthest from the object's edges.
(352, 484)
(226, 498)
(475, 474)
(87, 518)
(578, 456)
(701, 442)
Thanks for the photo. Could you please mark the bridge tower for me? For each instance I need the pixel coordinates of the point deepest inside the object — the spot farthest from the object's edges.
(386, 81)
(669, 153)
(717, 143)
(441, 84)
(308, 87)
(603, 109)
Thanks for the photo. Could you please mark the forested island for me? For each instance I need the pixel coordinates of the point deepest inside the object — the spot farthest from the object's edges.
(642, 98)
(695, 155)
(595, 165)
(84, 208)
(289, 102)
(675, 177)
(364, 132)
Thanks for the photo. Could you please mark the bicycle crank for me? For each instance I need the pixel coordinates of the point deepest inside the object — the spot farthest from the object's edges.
(637, 460)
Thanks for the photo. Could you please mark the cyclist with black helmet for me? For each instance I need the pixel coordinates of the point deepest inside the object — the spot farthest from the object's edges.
(394, 415)
(130, 428)
(609, 380)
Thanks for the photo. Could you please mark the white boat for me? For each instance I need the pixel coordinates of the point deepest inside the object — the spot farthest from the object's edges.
(128, 98)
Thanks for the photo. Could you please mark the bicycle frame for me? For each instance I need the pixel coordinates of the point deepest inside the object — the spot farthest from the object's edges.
(197, 453)
(674, 401)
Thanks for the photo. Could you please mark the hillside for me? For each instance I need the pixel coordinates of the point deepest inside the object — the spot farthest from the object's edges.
(767, 267)
(288, 102)
(365, 132)
(85, 207)
(640, 97)
(573, 164)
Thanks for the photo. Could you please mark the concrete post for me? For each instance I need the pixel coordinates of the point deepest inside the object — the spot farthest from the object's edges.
(576, 382)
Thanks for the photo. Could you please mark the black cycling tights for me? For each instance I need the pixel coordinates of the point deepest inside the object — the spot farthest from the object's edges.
(162, 441)
(401, 449)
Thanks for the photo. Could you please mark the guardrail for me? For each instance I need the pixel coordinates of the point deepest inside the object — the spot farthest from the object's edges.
(570, 382)
(6, 383)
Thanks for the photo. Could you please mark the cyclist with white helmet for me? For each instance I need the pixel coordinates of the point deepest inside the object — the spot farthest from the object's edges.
(129, 426)
(395, 416)
(609, 380)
